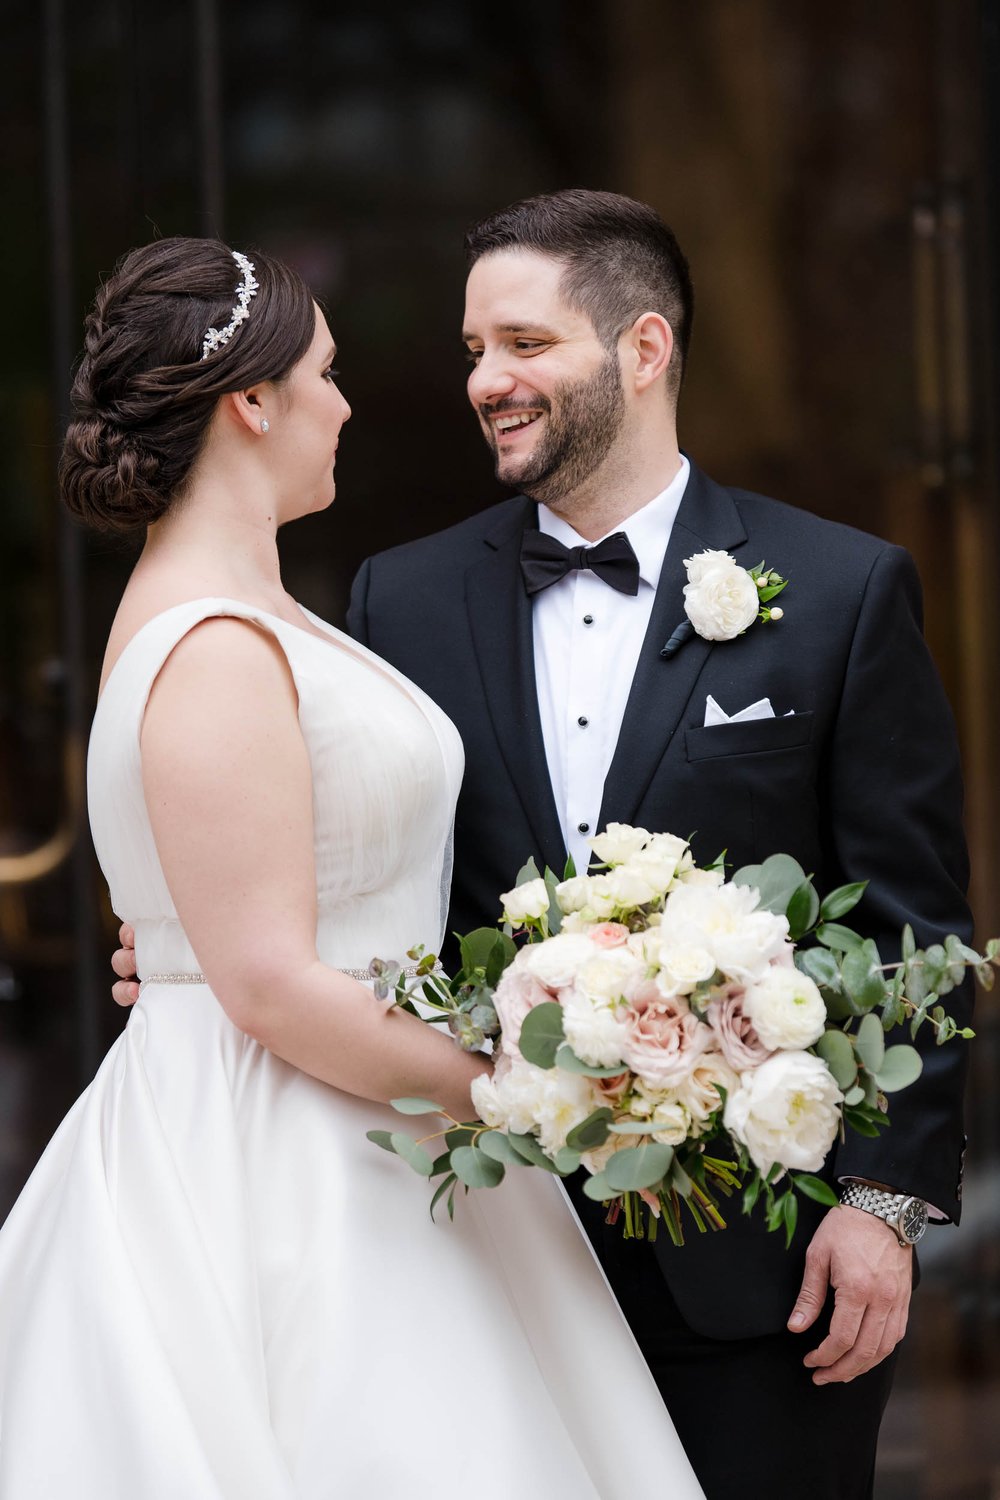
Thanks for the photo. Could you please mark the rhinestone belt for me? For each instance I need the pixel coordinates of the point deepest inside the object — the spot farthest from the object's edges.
(190, 978)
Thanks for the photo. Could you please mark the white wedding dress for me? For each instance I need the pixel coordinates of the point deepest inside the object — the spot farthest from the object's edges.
(213, 1287)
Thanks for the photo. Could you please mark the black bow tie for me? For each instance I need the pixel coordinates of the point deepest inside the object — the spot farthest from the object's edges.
(545, 561)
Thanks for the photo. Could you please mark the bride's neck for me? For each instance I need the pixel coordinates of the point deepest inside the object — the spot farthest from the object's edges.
(221, 541)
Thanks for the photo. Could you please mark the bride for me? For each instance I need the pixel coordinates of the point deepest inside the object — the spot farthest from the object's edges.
(213, 1287)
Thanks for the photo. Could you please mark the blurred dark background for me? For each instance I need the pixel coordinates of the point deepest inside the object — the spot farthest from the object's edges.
(831, 171)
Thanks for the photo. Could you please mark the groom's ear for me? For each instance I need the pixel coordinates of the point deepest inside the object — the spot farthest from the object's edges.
(647, 346)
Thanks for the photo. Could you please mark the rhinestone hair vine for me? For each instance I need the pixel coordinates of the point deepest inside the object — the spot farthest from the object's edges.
(216, 337)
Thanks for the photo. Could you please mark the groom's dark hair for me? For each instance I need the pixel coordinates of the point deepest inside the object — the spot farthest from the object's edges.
(620, 260)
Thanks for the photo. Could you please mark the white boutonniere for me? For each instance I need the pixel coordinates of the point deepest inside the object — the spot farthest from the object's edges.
(722, 600)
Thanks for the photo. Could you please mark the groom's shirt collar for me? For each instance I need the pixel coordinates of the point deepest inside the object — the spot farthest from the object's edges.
(647, 529)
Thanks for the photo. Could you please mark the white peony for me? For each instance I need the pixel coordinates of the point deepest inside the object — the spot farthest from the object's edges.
(525, 902)
(681, 966)
(618, 842)
(724, 919)
(555, 962)
(720, 597)
(786, 1111)
(594, 1031)
(566, 1101)
(786, 1008)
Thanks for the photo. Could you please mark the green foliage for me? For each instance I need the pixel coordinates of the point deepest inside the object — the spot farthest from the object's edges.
(567, 1060)
(802, 911)
(836, 1051)
(840, 939)
(416, 1107)
(591, 1132)
(815, 1188)
(542, 1034)
(406, 1147)
(842, 900)
(475, 1168)
(498, 1146)
(901, 1066)
(638, 1166)
(776, 881)
(870, 1043)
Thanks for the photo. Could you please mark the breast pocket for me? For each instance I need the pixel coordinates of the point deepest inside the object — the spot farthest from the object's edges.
(752, 737)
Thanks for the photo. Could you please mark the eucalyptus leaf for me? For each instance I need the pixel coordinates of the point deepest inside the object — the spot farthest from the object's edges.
(503, 952)
(840, 939)
(497, 1145)
(381, 1138)
(776, 881)
(836, 1051)
(528, 1147)
(567, 1060)
(416, 1107)
(475, 1168)
(591, 1132)
(901, 1066)
(870, 1043)
(844, 899)
(638, 1167)
(862, 980)
(854, 1095)
(528, 871)
(542, 1034)
(598, 1188)
(632, 1127)
(406, 1147)
(566, 1161)
(820, 965)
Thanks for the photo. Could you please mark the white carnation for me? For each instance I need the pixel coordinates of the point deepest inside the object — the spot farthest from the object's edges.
(618, 843)
(786, 1111)
(595, 1032)
(525, 902)
(720, 598)
(786, 1009)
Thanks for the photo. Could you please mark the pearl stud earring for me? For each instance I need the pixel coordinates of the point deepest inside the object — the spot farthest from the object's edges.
(264, 424)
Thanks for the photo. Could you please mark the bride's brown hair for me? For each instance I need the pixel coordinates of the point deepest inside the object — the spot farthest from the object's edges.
(143, 397)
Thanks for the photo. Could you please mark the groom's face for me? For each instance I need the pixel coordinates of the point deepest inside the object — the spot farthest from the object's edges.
(547, 392)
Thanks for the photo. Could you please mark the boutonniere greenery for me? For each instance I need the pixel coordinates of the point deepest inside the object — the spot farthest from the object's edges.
(722, 600)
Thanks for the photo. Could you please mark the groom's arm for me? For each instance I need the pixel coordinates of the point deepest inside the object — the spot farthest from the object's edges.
(894, 818)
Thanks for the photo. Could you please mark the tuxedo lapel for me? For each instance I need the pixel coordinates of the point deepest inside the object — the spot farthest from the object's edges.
(500, 621)
(707, 519)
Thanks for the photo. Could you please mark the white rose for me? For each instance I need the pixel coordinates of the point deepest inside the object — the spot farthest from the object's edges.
(694, 876)
(786, 1111)
(786, 1009)
(682, 966)
(576, 922)
(670, 1123)
(618, 842)
(525, 902)
(628, 888)
(595, 1032)
(655, 868)
(554, 963)
(573, 894)
(723, 601)
(699, 1091)
(601, 900)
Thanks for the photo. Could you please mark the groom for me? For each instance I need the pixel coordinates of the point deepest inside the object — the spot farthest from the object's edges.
(539, 626)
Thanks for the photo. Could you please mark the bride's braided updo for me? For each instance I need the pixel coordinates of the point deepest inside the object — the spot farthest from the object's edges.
(143, 396)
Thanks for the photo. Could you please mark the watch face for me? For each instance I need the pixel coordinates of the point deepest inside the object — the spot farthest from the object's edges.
(913, 1219)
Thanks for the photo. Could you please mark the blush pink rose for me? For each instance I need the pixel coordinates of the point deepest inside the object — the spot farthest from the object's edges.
(736, 1038)
(516, 994)
(609, 935)
(663, 1037)
(612, 1090)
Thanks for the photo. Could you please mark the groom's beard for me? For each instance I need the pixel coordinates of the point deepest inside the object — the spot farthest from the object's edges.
(582, 421)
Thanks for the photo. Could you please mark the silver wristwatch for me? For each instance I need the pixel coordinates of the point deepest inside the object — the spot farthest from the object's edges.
(905, 1215)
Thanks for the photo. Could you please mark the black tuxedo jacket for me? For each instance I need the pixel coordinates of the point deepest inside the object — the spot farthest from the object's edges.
(861, 782)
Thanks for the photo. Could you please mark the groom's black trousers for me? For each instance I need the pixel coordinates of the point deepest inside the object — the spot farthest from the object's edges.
(753, 1424)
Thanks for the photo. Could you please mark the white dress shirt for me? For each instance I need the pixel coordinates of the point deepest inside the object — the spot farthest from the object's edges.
(587, 639)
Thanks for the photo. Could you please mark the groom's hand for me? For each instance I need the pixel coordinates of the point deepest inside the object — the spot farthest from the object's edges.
(871, 1275)
(126, 991)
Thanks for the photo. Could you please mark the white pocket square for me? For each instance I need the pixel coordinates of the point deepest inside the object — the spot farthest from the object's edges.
(760, 710)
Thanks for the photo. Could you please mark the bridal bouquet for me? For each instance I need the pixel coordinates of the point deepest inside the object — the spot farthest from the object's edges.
(675, 1034)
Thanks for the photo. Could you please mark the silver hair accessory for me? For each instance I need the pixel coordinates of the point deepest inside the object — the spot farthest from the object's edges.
(216, 337)
(264, 424)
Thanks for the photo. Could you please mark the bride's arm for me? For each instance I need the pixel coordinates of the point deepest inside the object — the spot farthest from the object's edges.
(229, 791)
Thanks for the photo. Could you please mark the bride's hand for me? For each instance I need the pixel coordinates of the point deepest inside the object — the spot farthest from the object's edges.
(126, 991)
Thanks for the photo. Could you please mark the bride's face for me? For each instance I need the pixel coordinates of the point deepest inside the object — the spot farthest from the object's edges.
(307, 426)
